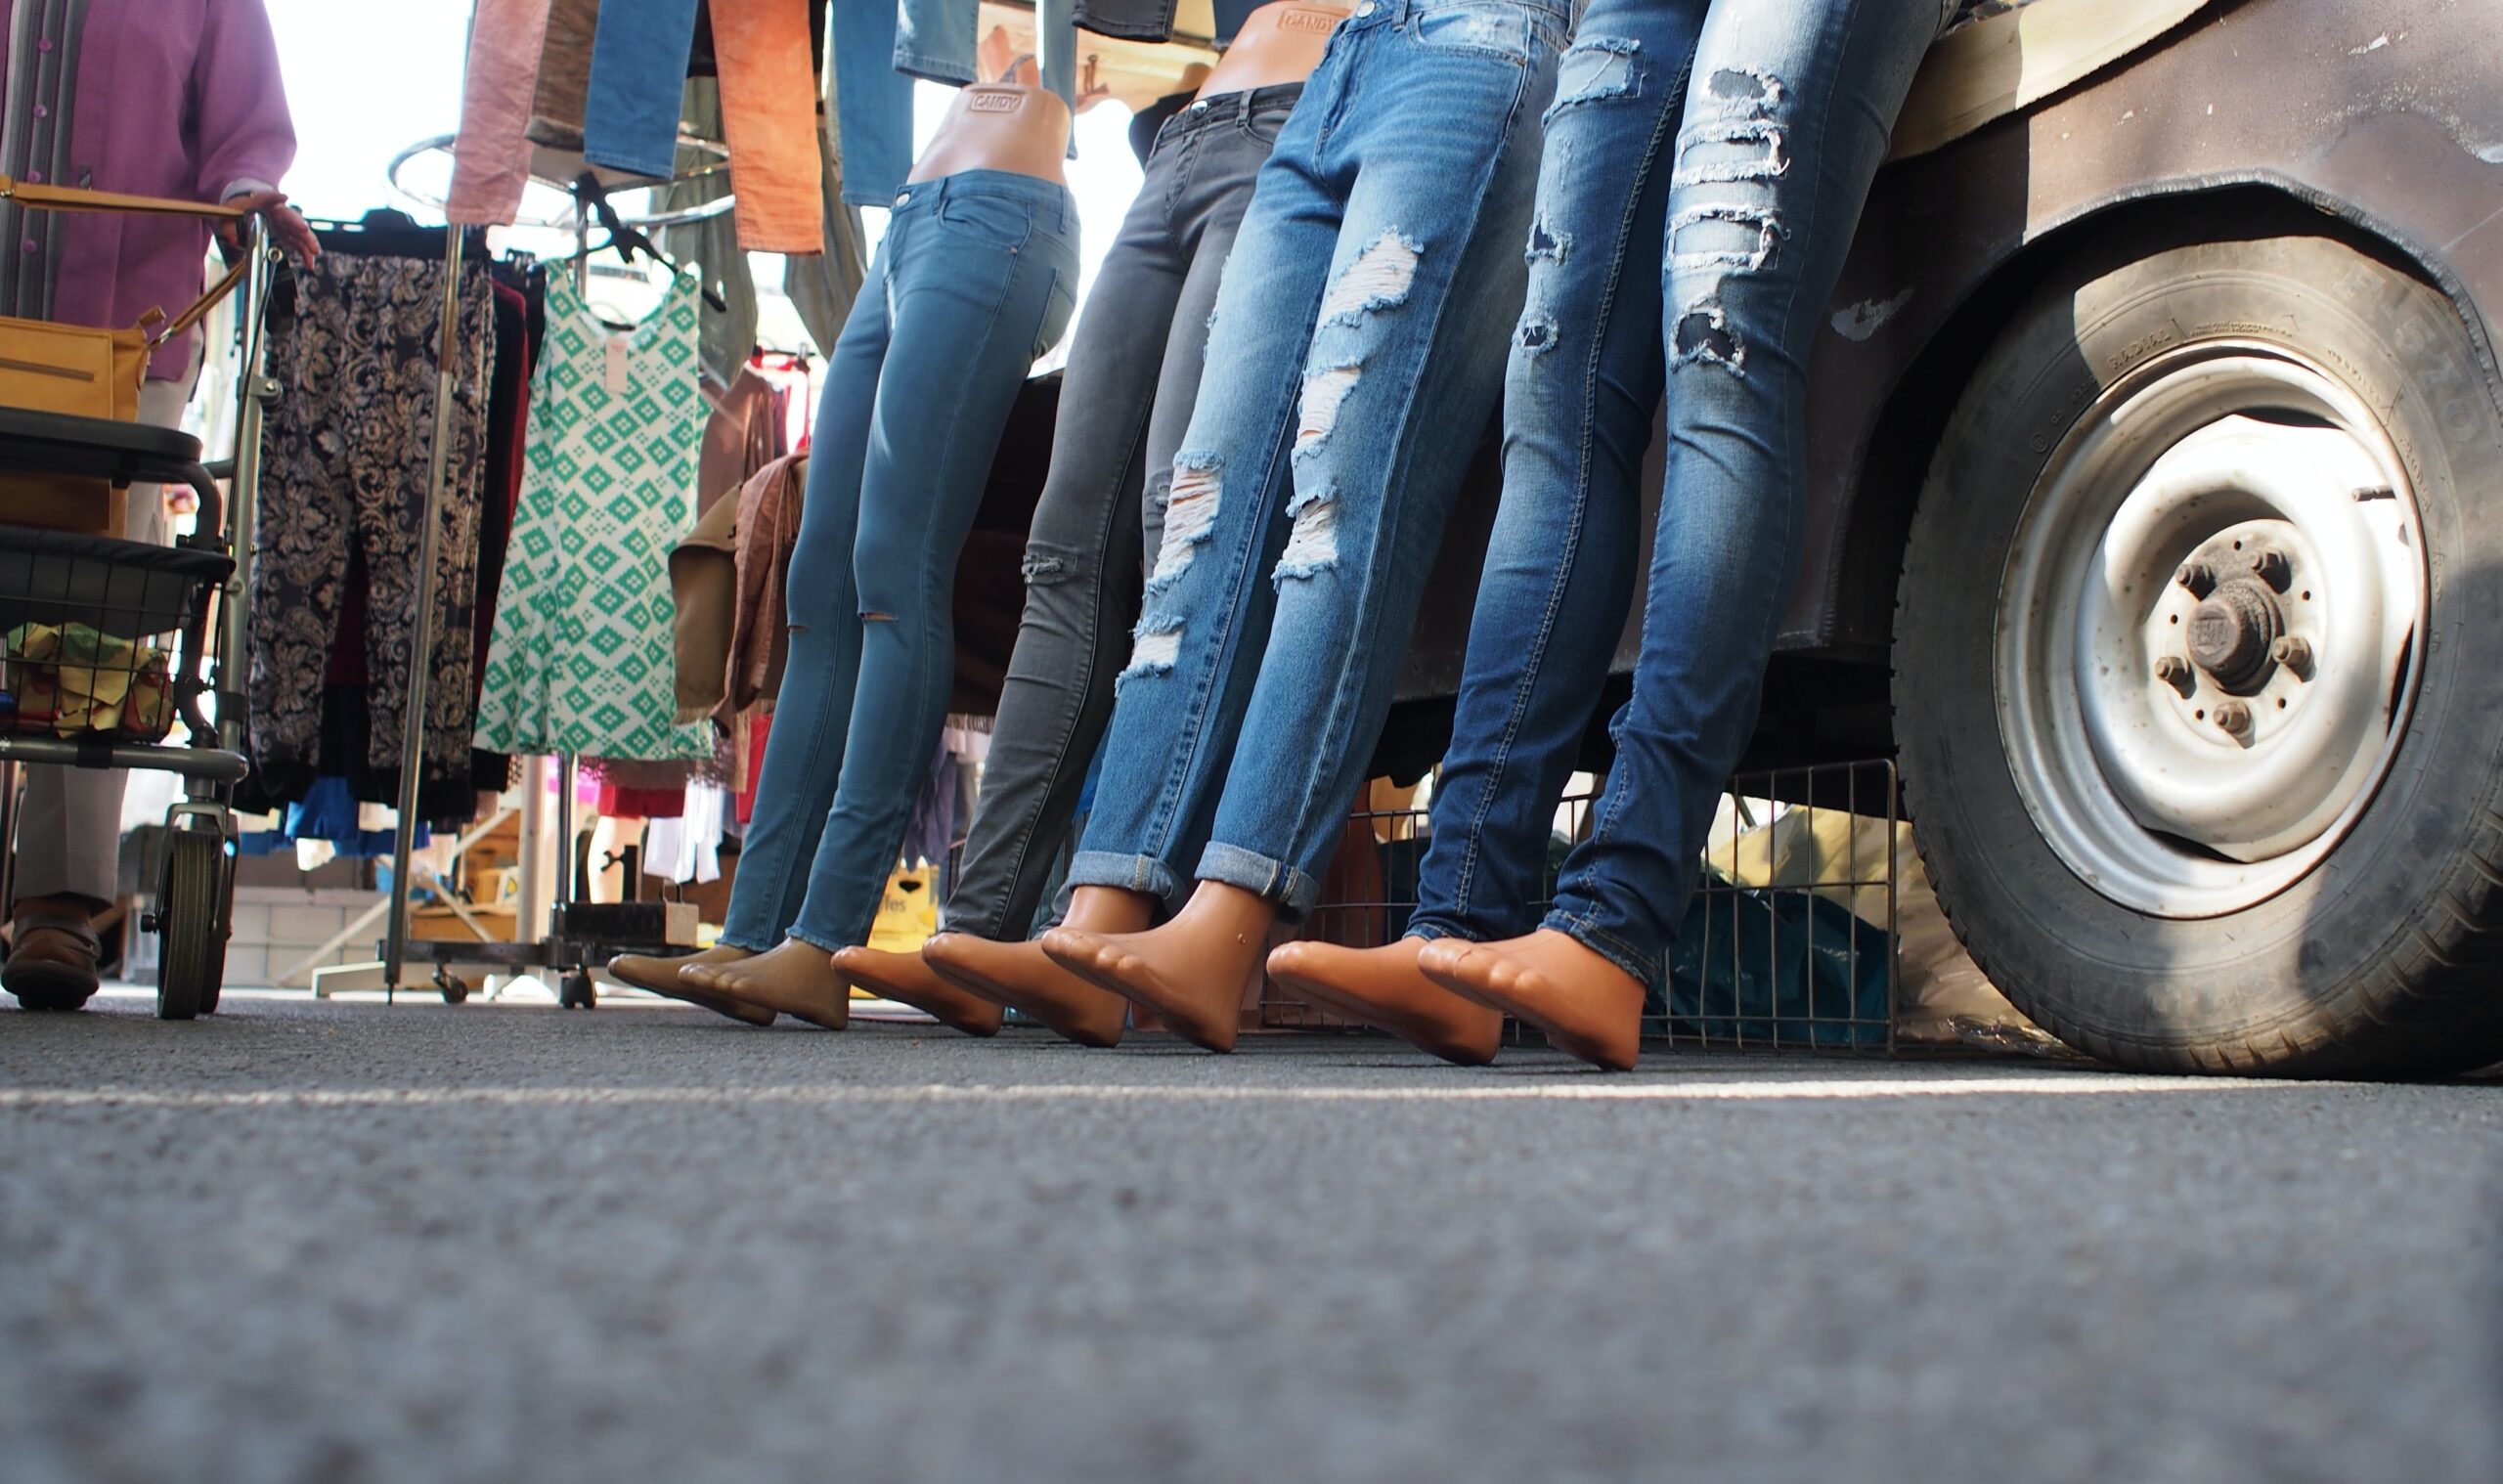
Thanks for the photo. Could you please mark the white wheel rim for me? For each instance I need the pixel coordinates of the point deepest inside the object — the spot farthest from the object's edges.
(2192, 779)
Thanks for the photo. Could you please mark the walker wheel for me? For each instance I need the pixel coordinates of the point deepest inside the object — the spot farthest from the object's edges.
(192, 920)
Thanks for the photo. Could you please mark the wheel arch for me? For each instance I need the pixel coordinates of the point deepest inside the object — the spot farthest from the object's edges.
(1892, 465)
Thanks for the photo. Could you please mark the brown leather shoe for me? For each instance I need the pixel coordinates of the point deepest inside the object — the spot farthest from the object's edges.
(52, 961)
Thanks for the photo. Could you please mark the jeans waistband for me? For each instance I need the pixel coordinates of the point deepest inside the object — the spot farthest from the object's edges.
(1048, 199)
(1235, 107)
(1562, 9)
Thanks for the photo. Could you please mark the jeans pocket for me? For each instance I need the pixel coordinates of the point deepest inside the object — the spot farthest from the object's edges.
(1489, 28)
(993, 219)
(1056, 313)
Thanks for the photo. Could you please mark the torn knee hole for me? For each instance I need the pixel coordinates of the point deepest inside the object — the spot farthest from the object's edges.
(877, 618)
(1156, 647)
(1312, 548)
(1734, 149)
(1325, 392)
(1725, 236)
(1603, 66)
(1190, 516)
(1546, 244)
(1704, 336)
(1536, 336)
(1380, 278)
(1749, 88)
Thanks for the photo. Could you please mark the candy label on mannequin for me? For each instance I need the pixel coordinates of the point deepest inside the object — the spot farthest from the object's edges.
(1318, 22)
(992, 103)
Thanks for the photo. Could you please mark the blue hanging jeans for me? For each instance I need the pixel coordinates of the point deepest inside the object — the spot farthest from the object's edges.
(1785, 124)
(1355, 359)
(639, 58)
(1580, 393)
(972, 282)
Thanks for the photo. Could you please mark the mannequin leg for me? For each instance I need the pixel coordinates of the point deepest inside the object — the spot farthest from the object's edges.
(665, 975)
(1191, 971)
(1018, 977)
(1578, 999)
(908, 980)
(1384, 989)
(797, 978)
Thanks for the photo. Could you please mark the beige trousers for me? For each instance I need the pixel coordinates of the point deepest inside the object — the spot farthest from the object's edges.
(70, 829)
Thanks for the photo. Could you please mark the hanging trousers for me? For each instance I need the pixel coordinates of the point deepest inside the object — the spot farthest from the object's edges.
(347, 457)
(1133, 379)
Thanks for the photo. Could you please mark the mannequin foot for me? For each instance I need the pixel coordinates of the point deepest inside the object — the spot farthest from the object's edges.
(1191, 971)
(1018, 977)
(1386, 990)
(904, 978)
(795, 979)
(1585, 1004)
(661, 976)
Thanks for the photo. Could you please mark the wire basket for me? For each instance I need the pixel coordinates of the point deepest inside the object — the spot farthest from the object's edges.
(1790, 944)
(100, 638)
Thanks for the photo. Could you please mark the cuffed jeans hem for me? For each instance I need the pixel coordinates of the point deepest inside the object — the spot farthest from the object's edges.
(831, 942)
(1124, 873)
(954, 71)
(728, 942)
(1645, 968)
(1430, 929)
(1292, 890)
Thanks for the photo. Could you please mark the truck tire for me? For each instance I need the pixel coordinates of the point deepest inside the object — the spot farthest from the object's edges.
(2199, 664)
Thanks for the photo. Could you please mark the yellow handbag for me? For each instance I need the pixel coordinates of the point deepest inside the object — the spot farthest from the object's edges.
(84, 372)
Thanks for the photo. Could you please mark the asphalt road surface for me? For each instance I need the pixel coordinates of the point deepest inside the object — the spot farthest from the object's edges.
(348, 1243)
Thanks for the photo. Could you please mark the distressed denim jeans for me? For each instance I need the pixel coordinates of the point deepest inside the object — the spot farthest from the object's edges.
(1356, 355)
(1579, 395)
(1133, 379)
(974, 281)
(1787, 121)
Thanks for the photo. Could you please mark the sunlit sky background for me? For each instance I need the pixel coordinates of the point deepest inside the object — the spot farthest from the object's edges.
(366, 80)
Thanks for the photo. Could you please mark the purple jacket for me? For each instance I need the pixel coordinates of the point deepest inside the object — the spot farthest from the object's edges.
(173, 98)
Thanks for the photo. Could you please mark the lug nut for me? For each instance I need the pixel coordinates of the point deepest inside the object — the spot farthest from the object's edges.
(2175, 671)
(2198, 577)
(2294, 653)
(2272, 567)
(2233, 718)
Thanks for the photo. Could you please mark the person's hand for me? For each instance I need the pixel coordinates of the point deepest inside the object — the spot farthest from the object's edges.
(289, 228)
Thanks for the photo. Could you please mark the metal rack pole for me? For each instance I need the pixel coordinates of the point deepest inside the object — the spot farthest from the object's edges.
(256, 390)
(413, 720)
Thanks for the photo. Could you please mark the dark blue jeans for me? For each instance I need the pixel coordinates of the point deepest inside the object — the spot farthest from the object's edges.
(1580, 390)
(974, 281)
(1354, 356)
(1784, 125)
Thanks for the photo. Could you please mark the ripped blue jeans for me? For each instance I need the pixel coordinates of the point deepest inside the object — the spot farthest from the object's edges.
(1353, 362)
(1787, 120)
(1580, 396)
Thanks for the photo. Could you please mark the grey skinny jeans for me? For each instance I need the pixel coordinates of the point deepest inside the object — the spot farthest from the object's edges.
(1133, 378)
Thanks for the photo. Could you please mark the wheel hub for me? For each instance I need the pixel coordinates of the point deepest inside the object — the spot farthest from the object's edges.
(2205, 631)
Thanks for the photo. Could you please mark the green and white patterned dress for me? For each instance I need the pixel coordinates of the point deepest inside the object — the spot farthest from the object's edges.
(583, 660)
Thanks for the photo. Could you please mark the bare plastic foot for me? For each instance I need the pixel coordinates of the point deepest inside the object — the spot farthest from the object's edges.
(904, 978)
(1585, 1004)
(661, 976)
(1386, 990)
(795, 979)
(1191, 971)
(1018, 977)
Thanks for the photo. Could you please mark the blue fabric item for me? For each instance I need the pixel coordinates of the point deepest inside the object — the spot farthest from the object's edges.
(873, 102)
(1580, 391)
(1354, 357)
(974, 279)
(328, 811)
(1783, 129)
(639, 60)
(935, 39)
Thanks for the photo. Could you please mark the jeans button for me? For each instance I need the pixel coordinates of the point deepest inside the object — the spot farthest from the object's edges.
(903, 197)
(1200, 107)
(1364, 10)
